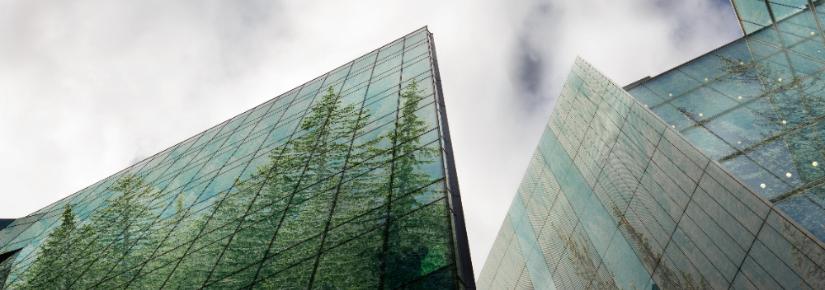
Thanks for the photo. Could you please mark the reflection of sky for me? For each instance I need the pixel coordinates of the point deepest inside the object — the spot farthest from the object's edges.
(760, 115)
(89, 87)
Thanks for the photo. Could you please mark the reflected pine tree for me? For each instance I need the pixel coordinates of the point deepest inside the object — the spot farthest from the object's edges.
(84, 256)
(298, 215)
(120, 242)
(279, 210)
(417, 238)
(57, 258)
(154, 272)
(6, 262)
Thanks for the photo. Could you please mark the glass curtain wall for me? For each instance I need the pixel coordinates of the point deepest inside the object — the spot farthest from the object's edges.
(341, 182)
(616, 198)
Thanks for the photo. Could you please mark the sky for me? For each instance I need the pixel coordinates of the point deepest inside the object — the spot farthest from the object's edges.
(90, 87)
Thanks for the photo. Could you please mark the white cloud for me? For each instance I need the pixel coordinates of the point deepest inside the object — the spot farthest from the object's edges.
(88, 87)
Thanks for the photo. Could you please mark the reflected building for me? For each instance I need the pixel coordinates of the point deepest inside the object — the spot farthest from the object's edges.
(346, 181)
(707, 176)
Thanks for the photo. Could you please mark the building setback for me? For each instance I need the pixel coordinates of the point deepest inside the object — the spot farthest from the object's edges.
(616, 198)
(346, 181)
(707, 176)
(756, 105)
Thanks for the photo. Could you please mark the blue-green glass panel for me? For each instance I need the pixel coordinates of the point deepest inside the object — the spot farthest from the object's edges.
(294, 193)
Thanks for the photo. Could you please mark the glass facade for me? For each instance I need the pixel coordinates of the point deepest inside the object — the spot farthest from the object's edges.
(755, 15)
(615, 197)
(5, 222)
(757, 106)
(344, 182)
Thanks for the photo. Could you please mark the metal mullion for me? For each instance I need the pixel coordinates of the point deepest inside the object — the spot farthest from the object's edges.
(676, 225)
(737, 106)
(779, 49)
(649, 161)
(816, 19)
(444, 145)
(251, 204)
(573, 228)
(269, 173)
(185, 153)
(57, 219)
(668, 177)
(305, 187)
(752, 147)
(89, 193)
(145, 231)
(715, 222)
(769, 204)
(388, 213)
(747, 252)
(380, 95)
(168, 164)
(221, 202)
(463, 265)
(802, 96)
(219, 133)
(166, 156)
(404, 195)
(702, 85)
(235, 127)
(661, 136)
(145, 164)
(678, 221)
(791, 26)
(182, 187)
(781, 217)
(811, 121)
(683, 213)
(793, 74)
(187, 242)
(379, 126)
(340, 183)
(226, 147)
(366, 83)
(295, 190)
(197, 159)
(359, 235)
(11, 239)
(96, 185)
(224, 131)
(383, 152)
(194, 140)
(217, 173)
(212, 243)
(367, 231)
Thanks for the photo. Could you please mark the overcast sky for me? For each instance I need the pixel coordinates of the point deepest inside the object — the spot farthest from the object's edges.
(90, 87)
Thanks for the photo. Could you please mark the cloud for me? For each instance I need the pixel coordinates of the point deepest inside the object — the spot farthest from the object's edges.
(89, 87)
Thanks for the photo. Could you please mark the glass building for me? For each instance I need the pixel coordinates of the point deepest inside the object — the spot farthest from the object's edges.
(707, 176)
(756, 106)
(615, 197)
(346, 181)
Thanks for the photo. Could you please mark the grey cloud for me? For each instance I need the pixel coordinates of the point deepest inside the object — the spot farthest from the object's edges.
(530, 69)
